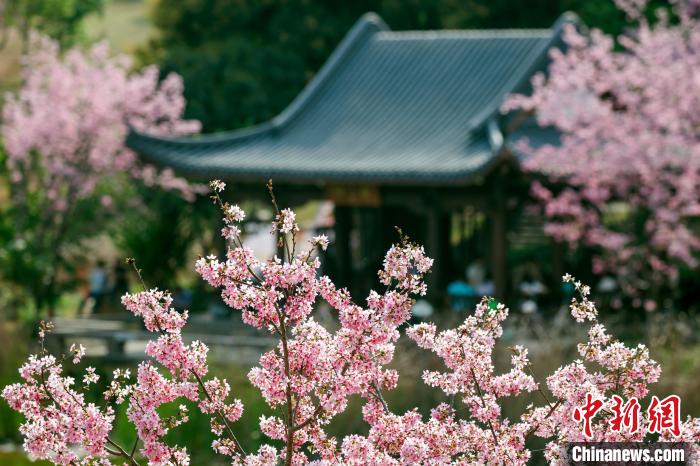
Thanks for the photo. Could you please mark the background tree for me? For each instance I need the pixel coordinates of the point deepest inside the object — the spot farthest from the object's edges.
(625, 179)
(243, 61)
(63, 135)
(60, 19)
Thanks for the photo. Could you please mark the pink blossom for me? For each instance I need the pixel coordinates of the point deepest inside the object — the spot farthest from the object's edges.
(309, 377)
(627, 111)
(74, 110)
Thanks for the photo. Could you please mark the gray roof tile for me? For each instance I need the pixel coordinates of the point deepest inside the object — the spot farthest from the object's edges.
(387, 107)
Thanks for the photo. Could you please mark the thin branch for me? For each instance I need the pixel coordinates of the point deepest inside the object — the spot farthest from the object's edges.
(483, 405)
(380, 397)
(219, 413)
(312, 418)
(288, 391)
(136, 443)
(551, 411)
(119, 450)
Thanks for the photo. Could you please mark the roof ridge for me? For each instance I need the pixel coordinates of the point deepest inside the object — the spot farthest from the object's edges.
(467, 32)
(568, 17)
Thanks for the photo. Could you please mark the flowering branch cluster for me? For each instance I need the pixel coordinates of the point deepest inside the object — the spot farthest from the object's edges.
(186, 368)
(57, 414)
(309, 377)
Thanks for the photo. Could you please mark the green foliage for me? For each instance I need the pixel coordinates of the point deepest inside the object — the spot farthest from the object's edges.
(60, 19)
(243, 61)
(39, 252)
(19, 459)
(38, 247)
(157, 229)
(14, 337)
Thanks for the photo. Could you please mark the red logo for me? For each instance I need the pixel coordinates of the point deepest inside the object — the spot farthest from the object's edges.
(587, 412)
(625, 415)
(663, 415)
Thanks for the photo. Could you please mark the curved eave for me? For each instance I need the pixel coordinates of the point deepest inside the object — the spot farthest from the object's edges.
(165, 156)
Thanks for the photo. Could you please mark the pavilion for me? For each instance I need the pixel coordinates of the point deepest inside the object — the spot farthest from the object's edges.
(397, 128)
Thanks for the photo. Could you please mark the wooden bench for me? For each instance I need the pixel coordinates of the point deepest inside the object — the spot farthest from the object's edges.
(116, 334)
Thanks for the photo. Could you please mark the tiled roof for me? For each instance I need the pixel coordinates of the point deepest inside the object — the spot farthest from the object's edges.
(390, 107)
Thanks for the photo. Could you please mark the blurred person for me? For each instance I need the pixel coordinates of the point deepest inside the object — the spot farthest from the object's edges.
(476, 273)
(531, 290)
(606, 291)
(561, 320)
(479, 279)
(461, 295)
(531, 286)
(487, 287)
(98, 281)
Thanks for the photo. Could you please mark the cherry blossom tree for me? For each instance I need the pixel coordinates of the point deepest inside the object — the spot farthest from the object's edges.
(625, 177)
(63, 135)
(309, 377)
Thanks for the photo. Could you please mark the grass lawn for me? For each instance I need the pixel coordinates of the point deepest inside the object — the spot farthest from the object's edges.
(18, 459)
(9, 66)
(124, 23)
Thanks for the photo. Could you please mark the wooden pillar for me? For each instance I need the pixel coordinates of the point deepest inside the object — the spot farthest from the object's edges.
(343, 225)
(438, 247)
(432, 247)
(462, 251)
(372, 247)
(555, 282)
(499, 241)
(447, 271)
